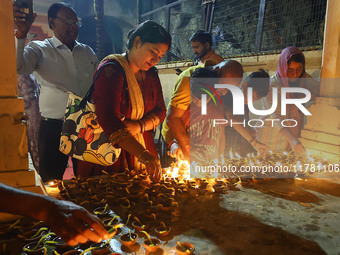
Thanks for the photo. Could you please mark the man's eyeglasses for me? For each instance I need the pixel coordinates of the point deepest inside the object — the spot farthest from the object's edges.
(70, 22)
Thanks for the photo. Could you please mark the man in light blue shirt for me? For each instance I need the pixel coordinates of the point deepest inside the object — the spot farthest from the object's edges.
(60, 64)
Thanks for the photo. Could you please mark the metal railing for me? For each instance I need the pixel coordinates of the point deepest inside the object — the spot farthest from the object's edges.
(181, 19)
(254, 26)
(242, 26)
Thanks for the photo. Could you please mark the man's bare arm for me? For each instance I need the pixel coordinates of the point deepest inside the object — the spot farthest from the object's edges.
(177, 128)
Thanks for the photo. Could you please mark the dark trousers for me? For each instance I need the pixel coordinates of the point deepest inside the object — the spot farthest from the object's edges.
(52, 162)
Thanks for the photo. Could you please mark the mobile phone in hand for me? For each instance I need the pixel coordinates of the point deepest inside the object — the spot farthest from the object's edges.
(27, 5)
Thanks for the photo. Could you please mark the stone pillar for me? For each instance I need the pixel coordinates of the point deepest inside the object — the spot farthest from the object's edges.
(13, 142)
(322, 131)
(8, 77)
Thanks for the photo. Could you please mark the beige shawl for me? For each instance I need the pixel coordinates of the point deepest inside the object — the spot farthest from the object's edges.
(136, 97)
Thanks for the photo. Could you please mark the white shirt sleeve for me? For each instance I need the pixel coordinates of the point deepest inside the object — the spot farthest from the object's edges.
(28, 58)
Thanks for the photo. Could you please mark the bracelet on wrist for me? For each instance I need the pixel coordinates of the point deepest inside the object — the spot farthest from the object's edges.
(19, 36)
(140, 155)
(144, 125)
(171, 143)
(141, 126)
(252, 140)
(253, 143)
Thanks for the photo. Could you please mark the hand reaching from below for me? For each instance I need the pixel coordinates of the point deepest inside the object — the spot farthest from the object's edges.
(73, 223)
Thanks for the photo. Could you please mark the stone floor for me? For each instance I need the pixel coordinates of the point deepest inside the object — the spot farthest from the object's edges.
(273, 216)
(306, 208)
(276, 216)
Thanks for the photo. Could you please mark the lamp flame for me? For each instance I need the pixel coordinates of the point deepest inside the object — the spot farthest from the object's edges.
(231, 154)
(184, 164)
(309, 157)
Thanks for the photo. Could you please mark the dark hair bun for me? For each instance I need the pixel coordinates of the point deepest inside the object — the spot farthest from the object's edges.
(150, 32)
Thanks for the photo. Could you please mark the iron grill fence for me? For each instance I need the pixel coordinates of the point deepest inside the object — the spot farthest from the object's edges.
(243, 26)
(299, 23)
(247, 28)
(181, 18)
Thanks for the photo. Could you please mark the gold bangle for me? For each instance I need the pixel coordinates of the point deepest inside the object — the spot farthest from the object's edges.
(119, 135)
(18, 36)
(141, 126)
(252, 140)
(142, 154)
(144, 122)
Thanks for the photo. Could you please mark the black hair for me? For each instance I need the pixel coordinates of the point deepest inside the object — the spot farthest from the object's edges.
(150, 32)
(259, 81)
(195, 80)
(297, 58)
(201, 36)
(54, 9)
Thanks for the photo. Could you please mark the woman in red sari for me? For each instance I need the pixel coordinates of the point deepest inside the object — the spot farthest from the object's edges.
(129, 101)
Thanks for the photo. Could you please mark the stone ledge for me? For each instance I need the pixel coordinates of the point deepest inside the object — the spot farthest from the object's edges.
(325, 116)
(332, 101)
(253, 63)
(325, 148)
(331, 158)
(174, 65)
(321, 136)
(18, 178)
